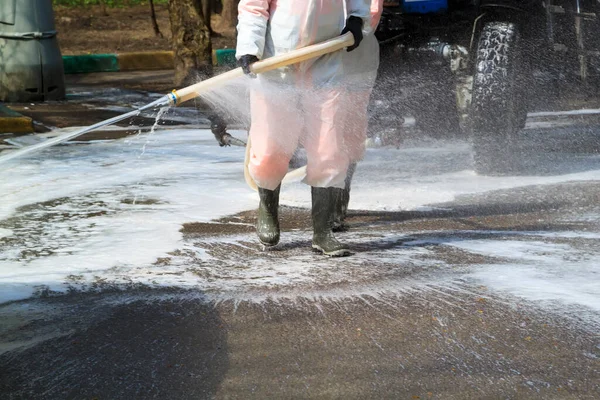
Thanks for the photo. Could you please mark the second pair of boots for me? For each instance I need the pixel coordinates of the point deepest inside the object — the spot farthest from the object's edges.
(323, 211)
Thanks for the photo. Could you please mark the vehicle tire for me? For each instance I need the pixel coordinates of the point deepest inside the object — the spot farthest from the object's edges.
(498, 108)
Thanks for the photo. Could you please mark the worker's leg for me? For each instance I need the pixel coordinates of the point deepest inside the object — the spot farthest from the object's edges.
(327, 165)
(326, 151)
(356, 123)
(274, 133)
(355, 136)
(267, 224)
(342, 200)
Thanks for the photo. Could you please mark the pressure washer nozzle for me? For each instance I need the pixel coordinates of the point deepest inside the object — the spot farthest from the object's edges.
(173, 98)
(233, 141)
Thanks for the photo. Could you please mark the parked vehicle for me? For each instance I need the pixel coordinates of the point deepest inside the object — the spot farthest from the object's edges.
(480, 58)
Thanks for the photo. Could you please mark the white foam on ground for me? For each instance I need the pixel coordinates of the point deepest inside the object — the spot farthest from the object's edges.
(539, 271)
(185, 174)
(567, 283)
(543, 272)
(554, 275)
(145, 164)
(410, 178)
(121, 206)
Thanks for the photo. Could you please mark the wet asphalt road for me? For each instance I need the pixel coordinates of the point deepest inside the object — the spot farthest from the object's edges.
(490, 295)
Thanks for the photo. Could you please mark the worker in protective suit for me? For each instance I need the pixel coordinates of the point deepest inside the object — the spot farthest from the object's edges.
(360, 69)
(299, 104)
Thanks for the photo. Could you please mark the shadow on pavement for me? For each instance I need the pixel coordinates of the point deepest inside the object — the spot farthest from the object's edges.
(146, 349)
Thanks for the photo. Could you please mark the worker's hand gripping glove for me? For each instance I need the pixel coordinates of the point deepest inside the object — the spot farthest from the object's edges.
(354, 25)
(245, 61)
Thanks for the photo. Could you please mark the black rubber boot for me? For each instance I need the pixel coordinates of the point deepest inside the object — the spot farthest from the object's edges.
(267, 226)
(323, 204)
(342, 199)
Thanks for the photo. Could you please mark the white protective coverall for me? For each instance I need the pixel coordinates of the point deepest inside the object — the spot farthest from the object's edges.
(303, 102)
(361, 67)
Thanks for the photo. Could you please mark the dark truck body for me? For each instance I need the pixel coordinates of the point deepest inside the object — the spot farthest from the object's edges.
(457, 47)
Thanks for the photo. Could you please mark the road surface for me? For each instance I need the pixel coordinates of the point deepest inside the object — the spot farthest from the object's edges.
(129, 269)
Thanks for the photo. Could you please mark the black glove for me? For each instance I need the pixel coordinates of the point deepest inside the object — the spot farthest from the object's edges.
(219, 129)
(354, 24)
(245, 61)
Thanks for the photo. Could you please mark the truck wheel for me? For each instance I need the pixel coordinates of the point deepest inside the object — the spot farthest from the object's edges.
(498, 109)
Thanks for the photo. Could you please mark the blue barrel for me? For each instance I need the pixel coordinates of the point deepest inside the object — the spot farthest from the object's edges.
(31, 66)
(424, 6)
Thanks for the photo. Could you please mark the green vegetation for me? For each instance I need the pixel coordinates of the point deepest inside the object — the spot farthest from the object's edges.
(108, 3)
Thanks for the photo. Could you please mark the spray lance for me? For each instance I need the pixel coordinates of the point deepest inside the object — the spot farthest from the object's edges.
(178, 97)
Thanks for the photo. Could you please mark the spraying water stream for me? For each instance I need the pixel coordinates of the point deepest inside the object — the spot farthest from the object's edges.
(71, 135)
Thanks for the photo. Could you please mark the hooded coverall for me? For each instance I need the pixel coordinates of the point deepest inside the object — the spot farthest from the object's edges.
(302, 103)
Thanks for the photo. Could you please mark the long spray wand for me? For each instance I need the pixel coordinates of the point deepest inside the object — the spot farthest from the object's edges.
(178, 97)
